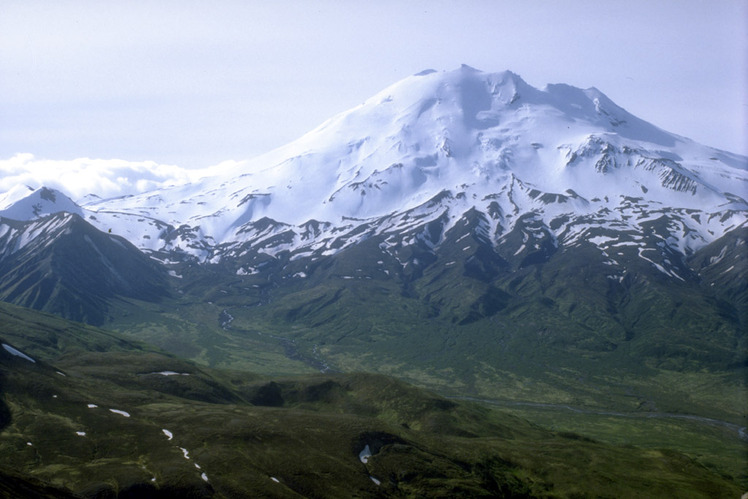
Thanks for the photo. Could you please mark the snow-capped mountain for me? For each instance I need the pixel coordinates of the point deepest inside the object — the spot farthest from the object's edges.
(25, 203)
(433, 147)
(460, 219)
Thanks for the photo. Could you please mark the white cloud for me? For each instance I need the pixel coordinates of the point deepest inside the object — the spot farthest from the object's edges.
(82, 176)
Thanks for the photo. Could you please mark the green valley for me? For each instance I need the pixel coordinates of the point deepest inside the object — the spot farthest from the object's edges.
(96, 415)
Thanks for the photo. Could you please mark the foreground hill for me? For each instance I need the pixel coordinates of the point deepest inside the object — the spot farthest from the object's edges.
(87, 413)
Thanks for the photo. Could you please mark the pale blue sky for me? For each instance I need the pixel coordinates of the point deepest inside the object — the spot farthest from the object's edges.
(194, 83)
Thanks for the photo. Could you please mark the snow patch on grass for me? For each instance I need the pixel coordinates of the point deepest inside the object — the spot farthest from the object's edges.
(17, 353)
(365, 454)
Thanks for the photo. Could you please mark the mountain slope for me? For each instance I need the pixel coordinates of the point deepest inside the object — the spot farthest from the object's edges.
(470, 140)
(470, 318)
(62, 264)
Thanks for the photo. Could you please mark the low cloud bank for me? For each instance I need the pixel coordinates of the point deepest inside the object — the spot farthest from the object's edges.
(83, 176)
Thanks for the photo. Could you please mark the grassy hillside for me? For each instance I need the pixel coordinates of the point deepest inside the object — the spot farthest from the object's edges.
(116, 417)
(560, 332)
